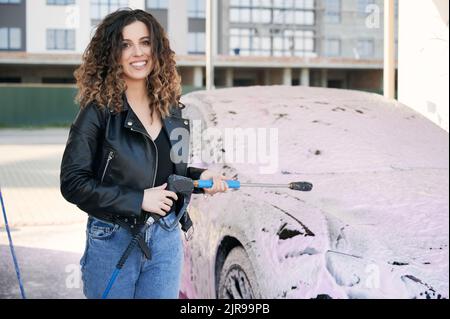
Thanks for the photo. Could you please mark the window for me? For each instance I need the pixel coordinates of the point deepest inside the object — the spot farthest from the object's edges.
(366, 48)
(157, 4)
(304, 4)
(240, 40)
(332, 47)
(247, 42)
(333, 11)
(261, 16)
(285, 12)
(10, 1)
(238, 15)
(294, 4)
(240, 3)
(299, 12)
(10, 38)
(283, 4)
(250, 11)
(196, 8)
(60, 2)
(196, 43)
(293, 43)
(260, 46)
(60, 39)
(250, 15)
(298, 17)
(262, 3)
(101, 8)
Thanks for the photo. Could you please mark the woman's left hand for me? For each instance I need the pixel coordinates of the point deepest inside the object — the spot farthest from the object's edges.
(219, 184)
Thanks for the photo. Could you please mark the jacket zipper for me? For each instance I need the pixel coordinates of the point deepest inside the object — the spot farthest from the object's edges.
(110, 157)
(156, 165)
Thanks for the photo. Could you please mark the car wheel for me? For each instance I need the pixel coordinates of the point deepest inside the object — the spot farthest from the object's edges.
(237, 278)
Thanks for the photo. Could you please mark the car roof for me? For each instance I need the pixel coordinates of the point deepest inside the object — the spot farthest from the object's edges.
(327, 130)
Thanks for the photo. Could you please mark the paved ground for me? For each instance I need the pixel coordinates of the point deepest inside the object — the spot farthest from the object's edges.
(48, 232)
(29, 178)
(48, 258)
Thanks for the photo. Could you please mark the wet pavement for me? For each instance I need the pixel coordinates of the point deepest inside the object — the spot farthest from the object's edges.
(47, 231)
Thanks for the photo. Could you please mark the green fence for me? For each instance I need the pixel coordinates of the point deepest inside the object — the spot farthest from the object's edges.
(41, 105)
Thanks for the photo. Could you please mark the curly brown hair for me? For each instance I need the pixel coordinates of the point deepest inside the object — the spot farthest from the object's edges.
(99, 77)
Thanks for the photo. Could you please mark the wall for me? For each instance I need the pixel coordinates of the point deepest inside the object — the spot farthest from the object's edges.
(423, 58)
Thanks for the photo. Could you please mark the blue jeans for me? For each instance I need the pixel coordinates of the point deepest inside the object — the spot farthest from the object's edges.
(139, 278)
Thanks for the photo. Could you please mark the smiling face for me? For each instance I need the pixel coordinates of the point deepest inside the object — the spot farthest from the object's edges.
(136, 58)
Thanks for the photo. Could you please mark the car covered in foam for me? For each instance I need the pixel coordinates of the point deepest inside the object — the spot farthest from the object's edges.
(375, 224)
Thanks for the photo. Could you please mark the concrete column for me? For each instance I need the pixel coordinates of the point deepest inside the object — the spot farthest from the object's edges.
(83, 31)
(178, 26)
(267, 77)
(210, 21)
(389, 50)
(229, 76)
(287, 76)
(324, 78)
(304, 77)
(198, 76)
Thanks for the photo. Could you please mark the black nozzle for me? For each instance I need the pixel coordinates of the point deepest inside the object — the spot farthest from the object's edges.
(301, 186)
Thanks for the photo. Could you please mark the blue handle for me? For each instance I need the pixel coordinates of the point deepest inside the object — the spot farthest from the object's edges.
(208, 183)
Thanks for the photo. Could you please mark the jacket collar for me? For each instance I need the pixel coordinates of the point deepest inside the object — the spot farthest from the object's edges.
(170, 122)
(172, 112)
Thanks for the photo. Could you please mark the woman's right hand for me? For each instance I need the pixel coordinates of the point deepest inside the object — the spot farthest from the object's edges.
(158, 200)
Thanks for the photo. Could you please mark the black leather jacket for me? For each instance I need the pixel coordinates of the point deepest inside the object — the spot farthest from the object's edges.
(110, 159)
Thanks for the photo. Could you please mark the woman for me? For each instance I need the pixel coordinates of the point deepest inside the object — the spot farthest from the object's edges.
(118, 157)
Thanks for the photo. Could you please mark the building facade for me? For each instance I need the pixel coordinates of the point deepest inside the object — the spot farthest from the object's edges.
(330, 43)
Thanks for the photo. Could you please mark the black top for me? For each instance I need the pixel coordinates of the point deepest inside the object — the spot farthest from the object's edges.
(165, 165)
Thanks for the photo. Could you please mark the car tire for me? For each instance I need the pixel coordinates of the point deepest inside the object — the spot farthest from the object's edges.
(237, 277)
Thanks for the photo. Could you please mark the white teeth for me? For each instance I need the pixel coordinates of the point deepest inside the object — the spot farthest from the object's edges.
(138, 64)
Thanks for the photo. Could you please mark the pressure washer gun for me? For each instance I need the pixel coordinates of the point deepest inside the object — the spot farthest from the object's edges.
(298, 186)
(184, 187)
